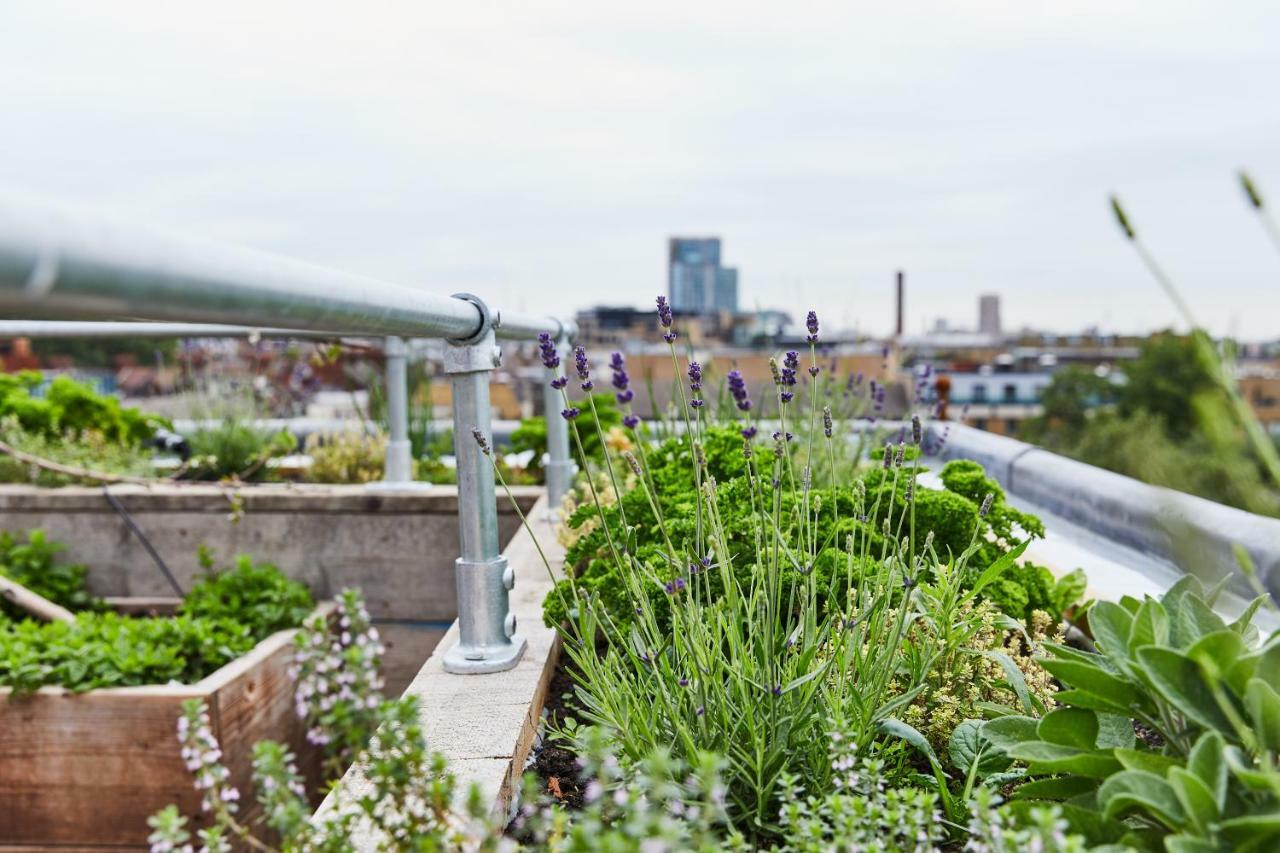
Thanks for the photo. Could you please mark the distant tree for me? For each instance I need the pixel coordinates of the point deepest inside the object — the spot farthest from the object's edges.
(1165, 380)
(1069, 398)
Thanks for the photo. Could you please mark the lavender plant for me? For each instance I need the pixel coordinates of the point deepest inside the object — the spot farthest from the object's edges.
(722, 636)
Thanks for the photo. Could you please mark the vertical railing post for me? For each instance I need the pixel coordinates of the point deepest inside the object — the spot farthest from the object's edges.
(559, 467)
(487, 639)
(398, 466)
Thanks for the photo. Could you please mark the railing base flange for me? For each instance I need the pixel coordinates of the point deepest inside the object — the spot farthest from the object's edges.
(459, 660)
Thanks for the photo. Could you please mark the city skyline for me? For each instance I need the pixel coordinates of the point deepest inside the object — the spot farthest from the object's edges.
(974, 148)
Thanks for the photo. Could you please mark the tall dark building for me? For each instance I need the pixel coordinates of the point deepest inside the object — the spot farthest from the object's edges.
(696, 281)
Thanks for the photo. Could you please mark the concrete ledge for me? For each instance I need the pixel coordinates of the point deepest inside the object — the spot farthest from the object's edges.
(1189, 532)
(486, 724)
(399, 547)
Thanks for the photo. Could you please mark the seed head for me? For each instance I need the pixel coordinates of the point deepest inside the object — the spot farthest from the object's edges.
(1122, 219)
(826, 421)
(1251, 191)
(986, 505)
(481, 441)
(917, 433)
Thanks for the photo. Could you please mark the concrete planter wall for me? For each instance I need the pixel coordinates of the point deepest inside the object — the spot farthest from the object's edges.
(398, 547)
(1187, 531)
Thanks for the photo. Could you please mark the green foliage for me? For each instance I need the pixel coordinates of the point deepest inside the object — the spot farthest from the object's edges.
(531, 434)
(258, 596)
(110, 650)
(352, 456)
(220, 619)
(1070, 396)
(1165, 379)
(88, 450)
(234, 447)
(33, 564)
(1204, 775)
(1174, 422)
(950, 515)
(68, 408)
(744, 611)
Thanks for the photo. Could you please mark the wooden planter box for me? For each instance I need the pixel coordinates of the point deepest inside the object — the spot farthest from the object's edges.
(85, 770)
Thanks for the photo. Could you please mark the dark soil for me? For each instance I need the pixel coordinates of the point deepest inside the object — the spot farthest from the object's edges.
(556, 766)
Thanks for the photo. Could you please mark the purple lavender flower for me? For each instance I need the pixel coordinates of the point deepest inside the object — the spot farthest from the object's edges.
(570, 413)
(786, 378)
(695, 384)
(749, 432)
(674, 586)
(666, 317)
(550, 358)
(621, 381)
(811, 323)
(631, 421)
(583, 368)
(738, 390)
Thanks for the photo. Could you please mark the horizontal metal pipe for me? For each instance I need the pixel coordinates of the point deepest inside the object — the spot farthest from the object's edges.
(107, 329)
(57, 264)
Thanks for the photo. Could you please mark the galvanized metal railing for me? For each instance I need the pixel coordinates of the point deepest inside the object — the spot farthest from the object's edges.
(58, 265)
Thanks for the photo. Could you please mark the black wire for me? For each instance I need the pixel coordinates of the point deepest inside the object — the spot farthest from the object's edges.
(146, 543)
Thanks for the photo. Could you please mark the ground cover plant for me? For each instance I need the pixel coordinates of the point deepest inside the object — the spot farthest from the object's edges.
(68, 423)
(222, 617)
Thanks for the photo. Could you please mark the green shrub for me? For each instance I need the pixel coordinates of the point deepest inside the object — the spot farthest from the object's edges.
(235, 448)
(88, 450)
(221, 618)
(352, 456)
(32, 564)
(71, 408)
(1202, 694)
(110, 650)
(257, 595)
(950, 515)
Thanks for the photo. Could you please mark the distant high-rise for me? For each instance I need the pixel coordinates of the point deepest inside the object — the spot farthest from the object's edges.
(696, 281)
(989, 314)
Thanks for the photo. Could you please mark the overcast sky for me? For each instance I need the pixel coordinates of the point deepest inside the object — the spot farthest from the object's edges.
(541, 153)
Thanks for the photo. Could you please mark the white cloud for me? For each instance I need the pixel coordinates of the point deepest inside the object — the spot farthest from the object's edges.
(542, 153)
